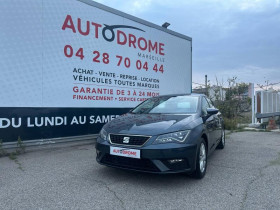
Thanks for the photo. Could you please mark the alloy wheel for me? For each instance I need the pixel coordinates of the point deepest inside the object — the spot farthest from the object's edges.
(223, 138)
(202, 158)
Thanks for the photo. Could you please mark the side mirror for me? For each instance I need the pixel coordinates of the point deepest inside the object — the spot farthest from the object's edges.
(212, 111)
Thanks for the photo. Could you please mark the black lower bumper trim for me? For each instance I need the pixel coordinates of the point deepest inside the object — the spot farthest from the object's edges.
(129, 163)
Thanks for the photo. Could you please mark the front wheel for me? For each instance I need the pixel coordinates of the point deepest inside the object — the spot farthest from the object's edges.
(201, 161)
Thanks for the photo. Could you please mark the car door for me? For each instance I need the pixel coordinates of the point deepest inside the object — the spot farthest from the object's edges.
(217, 124)
(209, 122)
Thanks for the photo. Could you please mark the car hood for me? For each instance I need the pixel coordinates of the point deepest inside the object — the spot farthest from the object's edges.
(149, 124)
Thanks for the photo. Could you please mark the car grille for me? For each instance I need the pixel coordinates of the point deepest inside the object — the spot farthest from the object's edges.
(133, 140)
(129, 163)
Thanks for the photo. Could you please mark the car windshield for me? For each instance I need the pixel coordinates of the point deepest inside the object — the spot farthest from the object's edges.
(168, 105)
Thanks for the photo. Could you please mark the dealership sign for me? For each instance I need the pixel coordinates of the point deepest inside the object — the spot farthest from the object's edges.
(68, 67)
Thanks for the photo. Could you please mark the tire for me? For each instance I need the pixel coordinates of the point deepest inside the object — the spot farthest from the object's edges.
(201, 161)
(222, 143)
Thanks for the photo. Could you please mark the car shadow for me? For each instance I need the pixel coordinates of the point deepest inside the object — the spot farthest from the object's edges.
(113, 175)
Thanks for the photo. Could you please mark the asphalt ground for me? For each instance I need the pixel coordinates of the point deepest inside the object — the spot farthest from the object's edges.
(245, 175)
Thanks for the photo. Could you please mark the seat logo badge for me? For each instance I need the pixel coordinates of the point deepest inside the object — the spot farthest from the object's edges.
(126, 140)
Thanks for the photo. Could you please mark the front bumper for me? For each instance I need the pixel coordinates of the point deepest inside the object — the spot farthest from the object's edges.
(161, 158)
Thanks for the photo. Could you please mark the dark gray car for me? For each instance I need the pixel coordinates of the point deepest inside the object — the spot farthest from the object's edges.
(165, 134)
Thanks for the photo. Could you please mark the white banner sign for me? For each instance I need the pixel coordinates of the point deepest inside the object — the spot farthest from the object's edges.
(67, 53)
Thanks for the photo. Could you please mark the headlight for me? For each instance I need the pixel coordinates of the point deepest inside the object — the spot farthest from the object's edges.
(103, 134)
(177, 137)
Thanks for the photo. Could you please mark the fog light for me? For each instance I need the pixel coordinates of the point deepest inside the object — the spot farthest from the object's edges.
(175, 161)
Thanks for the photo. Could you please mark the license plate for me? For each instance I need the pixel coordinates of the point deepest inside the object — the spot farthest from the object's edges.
(124, 152)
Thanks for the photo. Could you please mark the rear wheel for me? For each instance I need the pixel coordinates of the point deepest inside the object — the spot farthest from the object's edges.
(222, 143)
(201, 160)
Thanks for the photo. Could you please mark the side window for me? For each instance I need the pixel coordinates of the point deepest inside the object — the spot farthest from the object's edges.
(204, 106)
(210, 103)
